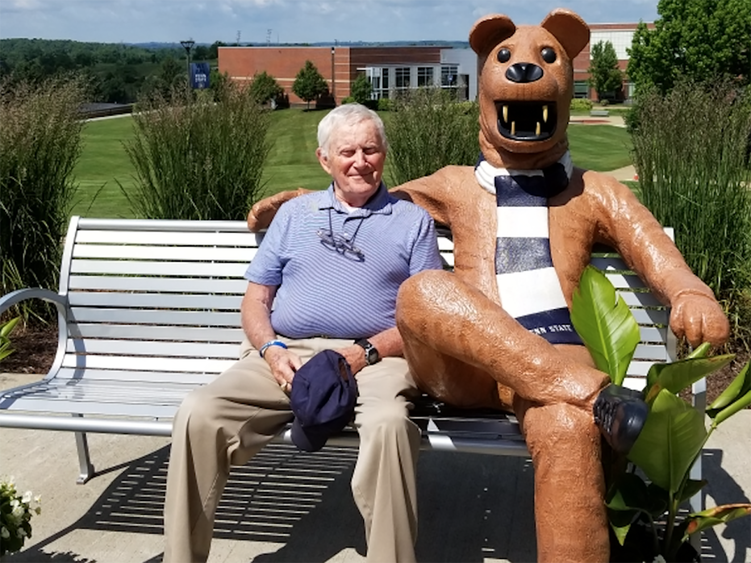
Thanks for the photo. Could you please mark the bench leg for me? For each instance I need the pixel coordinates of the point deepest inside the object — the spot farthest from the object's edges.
(84, 460)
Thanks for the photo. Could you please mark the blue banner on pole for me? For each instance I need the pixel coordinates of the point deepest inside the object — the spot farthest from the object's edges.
(199, 75)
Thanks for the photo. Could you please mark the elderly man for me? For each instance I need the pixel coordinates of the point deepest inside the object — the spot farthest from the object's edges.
(334, 261)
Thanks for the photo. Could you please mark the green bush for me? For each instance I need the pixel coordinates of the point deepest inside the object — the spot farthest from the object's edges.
(361, 89)
(581, 104)
(196, 159)
(40, 142)
(6, 349)
(690, 153)
(385, 104)
(431, 130)
(604, 103)
(348, 100)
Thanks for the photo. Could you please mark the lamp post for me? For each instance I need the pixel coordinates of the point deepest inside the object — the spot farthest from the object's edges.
(333, 78)
(188, 45)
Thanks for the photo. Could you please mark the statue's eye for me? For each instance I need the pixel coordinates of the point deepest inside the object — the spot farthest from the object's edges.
(548, 55)
(504, 55)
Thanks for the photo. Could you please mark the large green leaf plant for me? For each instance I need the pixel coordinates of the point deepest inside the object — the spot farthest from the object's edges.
(643, 499)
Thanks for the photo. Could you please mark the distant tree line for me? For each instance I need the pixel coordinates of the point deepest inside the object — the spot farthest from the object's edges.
(115, 72)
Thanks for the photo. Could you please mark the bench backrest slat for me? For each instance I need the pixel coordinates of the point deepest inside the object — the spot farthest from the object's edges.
(163, 297)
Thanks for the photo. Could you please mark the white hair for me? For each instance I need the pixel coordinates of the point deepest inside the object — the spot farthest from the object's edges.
(348, 114)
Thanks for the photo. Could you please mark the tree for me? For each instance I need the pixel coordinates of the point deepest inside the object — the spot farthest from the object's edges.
(604, 75)
(701, 40)
(264, 87)
(361, 89)
(309, 83)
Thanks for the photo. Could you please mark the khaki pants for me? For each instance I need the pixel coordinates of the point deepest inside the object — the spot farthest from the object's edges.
(229, 420)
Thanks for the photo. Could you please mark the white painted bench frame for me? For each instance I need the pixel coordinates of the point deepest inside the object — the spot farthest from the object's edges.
(149, 310)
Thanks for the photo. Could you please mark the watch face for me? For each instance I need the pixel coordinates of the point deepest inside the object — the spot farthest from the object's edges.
(372, 355)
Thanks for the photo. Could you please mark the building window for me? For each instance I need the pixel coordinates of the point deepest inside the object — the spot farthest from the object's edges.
(424, 76)
(401, 76)
(449, 75)
(581, 89)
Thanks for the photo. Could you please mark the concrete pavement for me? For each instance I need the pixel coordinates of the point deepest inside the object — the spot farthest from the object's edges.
(287, 506)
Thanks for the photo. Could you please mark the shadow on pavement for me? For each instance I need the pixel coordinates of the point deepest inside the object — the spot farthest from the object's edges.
(723, 489)
(471, 507)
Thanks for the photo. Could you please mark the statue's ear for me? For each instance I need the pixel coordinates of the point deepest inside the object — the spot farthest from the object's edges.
(488, 31)
(569, 29)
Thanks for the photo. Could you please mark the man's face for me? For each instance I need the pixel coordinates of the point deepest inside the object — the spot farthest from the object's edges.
(355, 162)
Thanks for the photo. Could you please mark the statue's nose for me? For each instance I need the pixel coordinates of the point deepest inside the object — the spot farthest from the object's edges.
(523, 72)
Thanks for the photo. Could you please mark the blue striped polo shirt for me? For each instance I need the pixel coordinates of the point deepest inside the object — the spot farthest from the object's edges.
(322, 292)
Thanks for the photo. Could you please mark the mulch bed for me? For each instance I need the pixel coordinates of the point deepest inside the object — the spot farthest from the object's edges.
(35, 350)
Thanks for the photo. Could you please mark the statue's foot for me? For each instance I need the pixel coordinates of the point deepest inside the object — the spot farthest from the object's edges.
(620, 414)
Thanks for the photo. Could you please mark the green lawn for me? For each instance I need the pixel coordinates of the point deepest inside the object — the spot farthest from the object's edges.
(291, 164)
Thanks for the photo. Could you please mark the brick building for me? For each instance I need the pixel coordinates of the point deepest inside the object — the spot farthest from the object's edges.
(396, 68)
(388, 68)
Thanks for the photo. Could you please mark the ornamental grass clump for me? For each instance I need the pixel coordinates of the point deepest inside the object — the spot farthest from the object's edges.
(430, 129)
(16, 511)
(40, 142)
(196, 158)
(691, 150)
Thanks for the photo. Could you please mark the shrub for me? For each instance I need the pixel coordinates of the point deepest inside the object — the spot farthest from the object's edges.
(348, 100)
(40, 142)
(264, 88)
(431, 130)
(195, 159)
(385, 104)
(362, 89)
(689, 150)
(604, 103)
(581, 104)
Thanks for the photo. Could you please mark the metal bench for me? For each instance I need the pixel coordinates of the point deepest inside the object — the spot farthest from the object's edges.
(149, 310)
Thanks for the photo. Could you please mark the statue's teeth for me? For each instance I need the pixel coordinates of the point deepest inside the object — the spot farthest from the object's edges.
(505, 114)
(513, 128)
(537, 129)
(544, 114)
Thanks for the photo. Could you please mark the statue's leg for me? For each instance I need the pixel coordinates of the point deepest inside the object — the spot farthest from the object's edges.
(438, 313)
(570, 512)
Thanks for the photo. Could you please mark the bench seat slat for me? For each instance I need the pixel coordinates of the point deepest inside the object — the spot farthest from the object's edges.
(156, 317)
(144, 332)
(165, 284)
(157, 348)
(135, 267)
(170, 253)
(168, 238)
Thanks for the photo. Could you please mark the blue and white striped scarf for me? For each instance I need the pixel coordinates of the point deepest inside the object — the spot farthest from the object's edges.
(527, 282)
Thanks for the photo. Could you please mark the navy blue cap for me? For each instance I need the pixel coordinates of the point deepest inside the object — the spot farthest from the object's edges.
(323, 397)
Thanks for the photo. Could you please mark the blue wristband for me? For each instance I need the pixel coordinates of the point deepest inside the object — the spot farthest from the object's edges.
(262, 349)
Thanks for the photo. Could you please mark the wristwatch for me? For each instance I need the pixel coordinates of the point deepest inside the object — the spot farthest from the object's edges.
(371, 352)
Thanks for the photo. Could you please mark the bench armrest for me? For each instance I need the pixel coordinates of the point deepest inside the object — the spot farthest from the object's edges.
(61, 304)
(15, 297)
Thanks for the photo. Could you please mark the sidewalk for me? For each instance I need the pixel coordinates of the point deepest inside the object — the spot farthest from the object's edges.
(287, 506)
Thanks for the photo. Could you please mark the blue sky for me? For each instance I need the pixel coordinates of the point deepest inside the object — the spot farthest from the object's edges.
(286, 21)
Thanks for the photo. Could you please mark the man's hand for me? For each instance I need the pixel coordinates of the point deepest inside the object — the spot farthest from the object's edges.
(283, 364)
(700, 319)
(262, 213)
(355, 356)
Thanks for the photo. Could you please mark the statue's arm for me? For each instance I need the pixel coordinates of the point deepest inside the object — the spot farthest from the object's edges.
(263, 211)
(645, 247)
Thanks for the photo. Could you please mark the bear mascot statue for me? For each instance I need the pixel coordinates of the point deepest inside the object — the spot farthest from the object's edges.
(496, 332)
